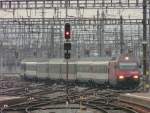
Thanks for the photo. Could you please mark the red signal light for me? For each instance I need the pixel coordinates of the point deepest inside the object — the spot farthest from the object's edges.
(67, 31)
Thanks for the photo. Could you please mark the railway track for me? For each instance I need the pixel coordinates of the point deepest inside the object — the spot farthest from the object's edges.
(104, 102)
(40, 95)
(135, 106)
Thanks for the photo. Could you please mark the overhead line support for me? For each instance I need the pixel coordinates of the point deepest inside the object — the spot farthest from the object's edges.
(145, 68)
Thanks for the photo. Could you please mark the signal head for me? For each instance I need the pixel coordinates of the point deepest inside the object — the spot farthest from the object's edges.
(67, 31)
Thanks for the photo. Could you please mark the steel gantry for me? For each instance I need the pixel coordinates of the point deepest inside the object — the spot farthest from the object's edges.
(31, 33)
(88, 4)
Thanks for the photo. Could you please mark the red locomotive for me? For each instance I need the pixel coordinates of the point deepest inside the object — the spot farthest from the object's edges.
(124, 72)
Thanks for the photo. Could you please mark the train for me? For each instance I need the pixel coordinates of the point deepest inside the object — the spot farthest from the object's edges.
(124, 71)
(91, 71)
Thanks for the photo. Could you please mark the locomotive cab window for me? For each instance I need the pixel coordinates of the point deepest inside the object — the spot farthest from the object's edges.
(128, 66)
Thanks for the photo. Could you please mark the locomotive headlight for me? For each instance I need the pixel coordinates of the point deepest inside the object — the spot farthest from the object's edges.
(121, 77)
(126, 58)
(135, 76)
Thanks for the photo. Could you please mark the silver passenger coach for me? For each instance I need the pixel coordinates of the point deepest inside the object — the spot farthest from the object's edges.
(55, 69)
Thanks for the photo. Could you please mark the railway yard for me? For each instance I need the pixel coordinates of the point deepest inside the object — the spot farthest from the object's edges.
(29, 97)
(74, 56)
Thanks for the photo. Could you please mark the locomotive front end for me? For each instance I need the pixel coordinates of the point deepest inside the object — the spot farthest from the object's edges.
(128, 72)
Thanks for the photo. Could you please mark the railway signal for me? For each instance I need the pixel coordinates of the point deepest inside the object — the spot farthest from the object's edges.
(67, 55)
(67, 46)
(67, 31)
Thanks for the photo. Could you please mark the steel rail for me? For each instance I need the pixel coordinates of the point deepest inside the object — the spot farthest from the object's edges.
(137, 107)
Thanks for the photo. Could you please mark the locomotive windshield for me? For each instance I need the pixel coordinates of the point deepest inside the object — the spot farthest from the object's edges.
(128, 66)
